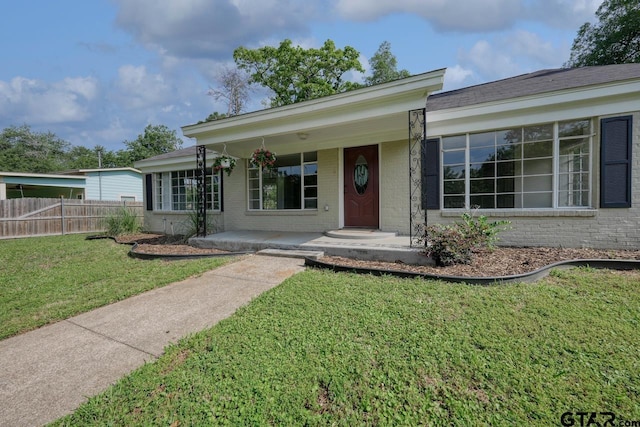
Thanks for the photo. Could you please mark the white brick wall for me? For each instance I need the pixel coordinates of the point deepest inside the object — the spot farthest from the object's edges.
(394, 187)
(596, 228)
(238, 217)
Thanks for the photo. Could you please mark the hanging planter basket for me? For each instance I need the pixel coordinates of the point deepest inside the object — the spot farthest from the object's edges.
(224, 162)
(263, 158)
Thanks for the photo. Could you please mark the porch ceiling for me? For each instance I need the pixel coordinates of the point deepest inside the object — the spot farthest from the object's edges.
(366, 116)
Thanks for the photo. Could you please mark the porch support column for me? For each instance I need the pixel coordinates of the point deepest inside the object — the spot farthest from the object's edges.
(417, 211)
(201, 176)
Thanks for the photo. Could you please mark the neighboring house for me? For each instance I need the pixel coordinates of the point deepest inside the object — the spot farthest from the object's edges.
(16, 185)
(551, 151)
(111, 183)
(91, 184)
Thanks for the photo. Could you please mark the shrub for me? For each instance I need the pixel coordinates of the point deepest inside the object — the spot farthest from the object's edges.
(455, 243)
(189, 227)
(124, 221)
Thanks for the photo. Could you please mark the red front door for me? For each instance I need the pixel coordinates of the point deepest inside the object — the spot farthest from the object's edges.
(361, 187)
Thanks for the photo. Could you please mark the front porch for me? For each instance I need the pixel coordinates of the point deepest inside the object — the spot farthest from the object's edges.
(359, 244)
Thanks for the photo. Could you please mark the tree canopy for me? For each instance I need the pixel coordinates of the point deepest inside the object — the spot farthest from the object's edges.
(23, 150)
(156, 139)
(295, 74)
(384, 66)
(614, 39)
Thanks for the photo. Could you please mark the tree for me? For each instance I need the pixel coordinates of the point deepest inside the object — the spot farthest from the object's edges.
(233, 88)
(384, 66)
(295, 74)
(156, 139)
(213, 116)
(615, 39)
(80, 157)
(22, 150)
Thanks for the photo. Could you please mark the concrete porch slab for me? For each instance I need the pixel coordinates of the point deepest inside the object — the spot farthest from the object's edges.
(390, 248)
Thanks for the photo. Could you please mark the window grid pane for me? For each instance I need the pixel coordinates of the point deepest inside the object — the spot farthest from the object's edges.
(293, 184)
(255, 201)
(310, 180)
(514, 168)
(178, 190)
(158, 192)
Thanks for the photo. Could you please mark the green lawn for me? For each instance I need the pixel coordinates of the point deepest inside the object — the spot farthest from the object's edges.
(46, 279)
(340, 349)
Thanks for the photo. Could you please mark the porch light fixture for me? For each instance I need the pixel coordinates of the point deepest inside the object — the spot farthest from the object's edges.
(302, 135)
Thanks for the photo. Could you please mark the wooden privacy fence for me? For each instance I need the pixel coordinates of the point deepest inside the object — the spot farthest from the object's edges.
(42, 217)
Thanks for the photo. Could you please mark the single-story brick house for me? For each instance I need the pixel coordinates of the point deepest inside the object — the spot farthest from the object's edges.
(552, 151)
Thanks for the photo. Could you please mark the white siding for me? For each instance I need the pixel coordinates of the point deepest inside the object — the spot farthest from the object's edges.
(113, 185)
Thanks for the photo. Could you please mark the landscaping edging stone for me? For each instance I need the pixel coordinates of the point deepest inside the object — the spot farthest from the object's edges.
(142, 255)
(517, 278)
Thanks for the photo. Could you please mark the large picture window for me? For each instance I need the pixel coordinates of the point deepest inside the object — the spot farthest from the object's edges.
(292, 184)
(541, 166)
(178, 190)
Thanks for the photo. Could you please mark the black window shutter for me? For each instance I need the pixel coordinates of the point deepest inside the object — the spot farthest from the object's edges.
(615, 162)
(431, 173)
(148, 184)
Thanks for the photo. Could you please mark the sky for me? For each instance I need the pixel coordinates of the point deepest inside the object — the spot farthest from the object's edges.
(97, 72)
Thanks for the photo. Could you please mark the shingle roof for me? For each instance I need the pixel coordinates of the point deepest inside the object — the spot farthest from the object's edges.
(532, 84)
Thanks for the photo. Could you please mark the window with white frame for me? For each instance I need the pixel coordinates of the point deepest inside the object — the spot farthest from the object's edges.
(178, 190)
(541, 166)
(291, 184)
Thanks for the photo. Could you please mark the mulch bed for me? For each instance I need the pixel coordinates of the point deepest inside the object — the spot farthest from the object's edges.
(502, 261)
(160, 244)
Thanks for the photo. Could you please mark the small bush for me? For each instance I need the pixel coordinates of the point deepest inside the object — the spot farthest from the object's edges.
(189, 227)
(455, 243)
(124, 221)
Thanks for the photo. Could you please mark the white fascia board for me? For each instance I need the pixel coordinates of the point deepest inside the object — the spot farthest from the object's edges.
(570, 104)
(172, 164)
(109, 170)
(353, 106)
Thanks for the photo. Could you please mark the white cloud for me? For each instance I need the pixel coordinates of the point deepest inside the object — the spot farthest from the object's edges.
(211, 28)
(563, 13)
(474, 15)
(457, 77)
(510, 54)
(463, 15)
(137, 89)
(490, 62)
(531, 45)
(37, 102)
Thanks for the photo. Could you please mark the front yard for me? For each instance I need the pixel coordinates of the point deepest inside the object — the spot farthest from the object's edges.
(46, 279)
(340, 349)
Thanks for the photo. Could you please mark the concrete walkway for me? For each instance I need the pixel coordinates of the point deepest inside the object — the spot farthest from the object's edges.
(49, 372)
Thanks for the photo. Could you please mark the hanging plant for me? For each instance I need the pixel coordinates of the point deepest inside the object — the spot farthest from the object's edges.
(263, 158)
(224, 162)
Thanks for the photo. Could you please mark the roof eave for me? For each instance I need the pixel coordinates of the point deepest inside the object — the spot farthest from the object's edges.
(580, 99)
(341, 108)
